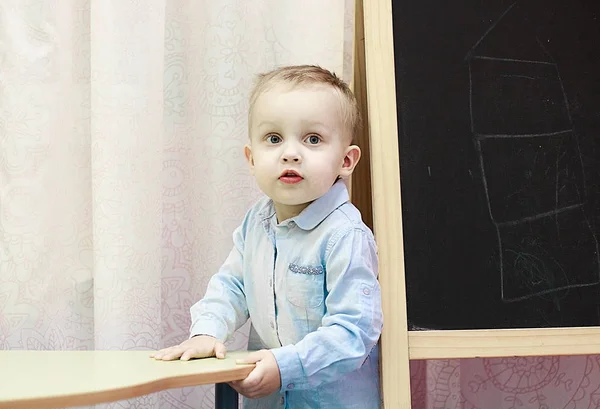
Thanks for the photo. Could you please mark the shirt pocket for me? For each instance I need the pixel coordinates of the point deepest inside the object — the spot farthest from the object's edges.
(305, 285)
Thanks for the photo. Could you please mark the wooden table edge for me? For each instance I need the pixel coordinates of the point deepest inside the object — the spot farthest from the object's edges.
(129, 391)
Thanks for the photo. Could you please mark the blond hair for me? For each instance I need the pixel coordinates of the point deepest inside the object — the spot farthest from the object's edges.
(311, 75)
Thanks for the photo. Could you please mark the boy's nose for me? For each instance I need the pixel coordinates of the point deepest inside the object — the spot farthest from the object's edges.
(291, 155)
(291, 158)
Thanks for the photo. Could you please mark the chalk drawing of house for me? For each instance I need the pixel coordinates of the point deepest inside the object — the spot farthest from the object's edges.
(530, 162)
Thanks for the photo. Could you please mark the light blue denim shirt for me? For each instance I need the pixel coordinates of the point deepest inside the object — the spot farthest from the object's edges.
(309, 286)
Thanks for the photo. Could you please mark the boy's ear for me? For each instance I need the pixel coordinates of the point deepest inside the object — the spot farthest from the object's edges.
(350, 160)
(249, 157)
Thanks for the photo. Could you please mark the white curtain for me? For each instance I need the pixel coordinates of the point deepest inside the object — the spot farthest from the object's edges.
(122, 175)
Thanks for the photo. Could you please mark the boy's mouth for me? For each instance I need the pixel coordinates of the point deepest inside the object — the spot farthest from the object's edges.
(290, 177)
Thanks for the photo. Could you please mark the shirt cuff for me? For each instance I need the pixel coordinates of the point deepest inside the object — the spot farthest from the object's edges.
(291, 370)
(210, 328)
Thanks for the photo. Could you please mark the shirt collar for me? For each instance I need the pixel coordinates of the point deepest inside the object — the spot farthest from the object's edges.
(318, 210)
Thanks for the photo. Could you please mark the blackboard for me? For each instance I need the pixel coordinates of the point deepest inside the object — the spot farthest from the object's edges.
(499, 140)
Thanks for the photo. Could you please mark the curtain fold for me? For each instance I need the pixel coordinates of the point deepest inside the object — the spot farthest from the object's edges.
(126, 130)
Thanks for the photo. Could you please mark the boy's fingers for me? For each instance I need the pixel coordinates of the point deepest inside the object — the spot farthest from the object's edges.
(253, 379)
(166, 351)
(236, 386)
(220, 350)
(250, 386)
(252, 358)
(158, 354)
(174, 353)
(188, 354)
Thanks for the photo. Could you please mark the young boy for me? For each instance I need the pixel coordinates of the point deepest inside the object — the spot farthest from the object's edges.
(304, 266)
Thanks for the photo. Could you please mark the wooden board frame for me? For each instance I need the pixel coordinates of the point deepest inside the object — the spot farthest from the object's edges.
(375, 88)
(504, 342)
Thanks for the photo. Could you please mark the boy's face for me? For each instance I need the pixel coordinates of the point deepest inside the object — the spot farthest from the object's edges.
(299, 145)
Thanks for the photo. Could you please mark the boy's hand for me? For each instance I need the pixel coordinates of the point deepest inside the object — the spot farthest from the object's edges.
(201, 346)
(264, 378)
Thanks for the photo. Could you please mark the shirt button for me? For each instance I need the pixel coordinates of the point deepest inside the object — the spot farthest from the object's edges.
(366, 291)
(291, 386)
(272, 326)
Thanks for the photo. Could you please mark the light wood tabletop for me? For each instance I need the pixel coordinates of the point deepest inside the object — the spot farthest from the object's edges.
(60, 379)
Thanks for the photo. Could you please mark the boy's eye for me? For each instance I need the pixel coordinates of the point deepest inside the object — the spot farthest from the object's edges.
(313, 139)
(273, 138)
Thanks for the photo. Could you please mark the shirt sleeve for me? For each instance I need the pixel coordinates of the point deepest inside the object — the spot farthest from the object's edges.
(223, 309)
(351, 325)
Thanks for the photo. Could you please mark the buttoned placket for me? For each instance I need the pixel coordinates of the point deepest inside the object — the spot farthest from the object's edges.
(282, 231)
(284, 243)
(272, 307)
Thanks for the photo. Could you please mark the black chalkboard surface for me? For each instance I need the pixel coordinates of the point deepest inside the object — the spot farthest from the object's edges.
(499, 138)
